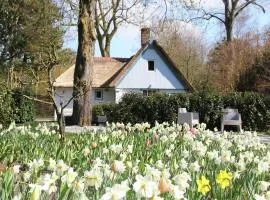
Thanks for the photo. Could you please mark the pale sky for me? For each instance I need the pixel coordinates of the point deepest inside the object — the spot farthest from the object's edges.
(127, 40)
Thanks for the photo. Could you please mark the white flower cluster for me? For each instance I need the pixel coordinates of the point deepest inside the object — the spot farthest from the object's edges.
(139, 162)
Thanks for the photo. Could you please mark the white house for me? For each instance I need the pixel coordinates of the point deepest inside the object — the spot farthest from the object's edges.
(150, 70)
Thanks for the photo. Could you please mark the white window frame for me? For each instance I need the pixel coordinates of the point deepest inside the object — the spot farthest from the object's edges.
(101, 92)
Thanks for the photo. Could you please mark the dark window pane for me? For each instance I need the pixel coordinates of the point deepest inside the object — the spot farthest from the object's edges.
(98, 94)
(151, 65)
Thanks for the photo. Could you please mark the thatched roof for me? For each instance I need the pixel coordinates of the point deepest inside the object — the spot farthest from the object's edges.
(104, 69)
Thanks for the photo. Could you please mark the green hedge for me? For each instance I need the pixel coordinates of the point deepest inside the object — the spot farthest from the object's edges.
(15, 107)
(136, 108)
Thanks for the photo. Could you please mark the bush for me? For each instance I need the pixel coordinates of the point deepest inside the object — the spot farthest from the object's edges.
(137, 108)
(15, 107)
(254, 111)
(23, 107)
(6, 107)
(209, 107)
(98, 110)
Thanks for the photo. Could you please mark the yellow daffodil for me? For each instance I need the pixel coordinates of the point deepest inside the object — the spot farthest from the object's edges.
(203, 185)
(224, 179)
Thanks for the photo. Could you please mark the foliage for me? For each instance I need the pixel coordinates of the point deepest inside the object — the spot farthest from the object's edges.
(137, 108)
(209, 107)
(6, 107)
(133, 162)
(29, 31)
(185, 48)
(228, 60)
(257, 77)
(15, 107)
(98, 110)
(25, 25)
(254, 109)
(23, 107)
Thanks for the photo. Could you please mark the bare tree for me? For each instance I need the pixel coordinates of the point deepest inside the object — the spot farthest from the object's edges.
(184, 46)
(227, 12)
(225, 77)
(50, 64)
(110, 14)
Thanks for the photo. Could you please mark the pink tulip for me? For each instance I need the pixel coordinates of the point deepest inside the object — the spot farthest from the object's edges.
(148, 142)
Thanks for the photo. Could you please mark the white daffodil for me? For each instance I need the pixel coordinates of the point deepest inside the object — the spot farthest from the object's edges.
(78, 186)
(195, 167)
(212, 154)
(27, 176)
(182, 180)
(52, 164)
(263, 167)
(61, 167)
(118, 166)
(259, 197)
(267, 195)
(116, 148)
(105, 151)
(86, 151)
(69, 177)
(183, 164)
(36, 164)
(145, 187)
(159, 164)
(16, 169)
(17, 197)
(35, 191)
(116, 192)
(93, 178)
(48, 183)
(226, 156)
(130, 148)
(177, 193)
(263, 186)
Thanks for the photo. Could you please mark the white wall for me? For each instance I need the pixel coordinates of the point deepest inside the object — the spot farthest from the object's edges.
(108, 96)
(138, 75)
(64, 94)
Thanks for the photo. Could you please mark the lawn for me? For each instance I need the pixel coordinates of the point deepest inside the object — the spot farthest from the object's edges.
(132, 162)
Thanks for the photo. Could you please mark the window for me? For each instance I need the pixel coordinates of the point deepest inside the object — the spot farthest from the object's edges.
(151, 65)
(149, 92)
(98, 94)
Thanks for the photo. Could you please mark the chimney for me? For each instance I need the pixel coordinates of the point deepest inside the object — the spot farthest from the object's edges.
(145, 36)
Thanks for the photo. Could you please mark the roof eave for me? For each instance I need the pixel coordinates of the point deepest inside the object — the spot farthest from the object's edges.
(172, 63)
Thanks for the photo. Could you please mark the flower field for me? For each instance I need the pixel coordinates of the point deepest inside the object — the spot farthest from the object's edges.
(133, 162)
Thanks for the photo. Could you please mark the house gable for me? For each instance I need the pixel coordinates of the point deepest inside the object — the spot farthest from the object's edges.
(164, 75)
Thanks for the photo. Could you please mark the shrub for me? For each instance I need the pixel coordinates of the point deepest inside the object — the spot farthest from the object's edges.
(15, 107)
(137, 108)
(6, 107)
(98, 110)
(23, 106)
(209, 107)
(254, 111)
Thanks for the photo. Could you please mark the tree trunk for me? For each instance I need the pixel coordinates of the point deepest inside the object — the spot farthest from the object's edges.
(105, 51)
(104, 48)
(61, 124)
(229, 19)
(83, 74)
(229, 29)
